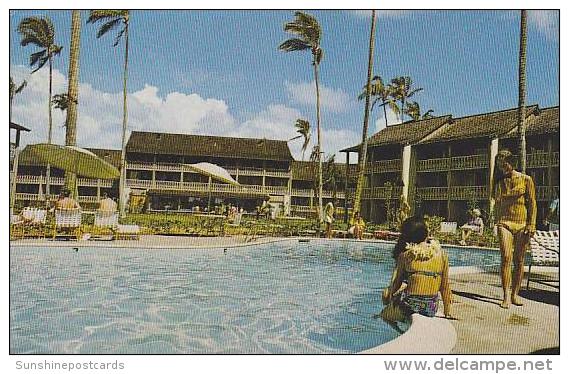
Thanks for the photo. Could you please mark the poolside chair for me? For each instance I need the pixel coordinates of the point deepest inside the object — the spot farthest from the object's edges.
(237, 220)
(67, 223)
(544, 252)
(448, 227)
(106, 222)
(127, 232)
(16, 227)
(32, 221)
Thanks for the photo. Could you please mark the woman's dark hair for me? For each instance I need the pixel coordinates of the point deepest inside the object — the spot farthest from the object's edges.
(503, 155)
(413, 230)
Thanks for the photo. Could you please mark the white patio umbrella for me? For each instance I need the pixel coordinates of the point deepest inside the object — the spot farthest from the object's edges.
(213, 171)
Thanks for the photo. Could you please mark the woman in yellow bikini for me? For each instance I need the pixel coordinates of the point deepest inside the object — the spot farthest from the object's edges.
(515, 208)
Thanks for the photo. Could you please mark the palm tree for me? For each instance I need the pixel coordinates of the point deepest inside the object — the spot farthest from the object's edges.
(382, 93)
(363, 151)
(60, 101)
(39, 32)
(73, 92)
(309, 34)
(14, 90)
(522, 91)
(112, 19)
(428, 114)
(402, 91)
(303, 128)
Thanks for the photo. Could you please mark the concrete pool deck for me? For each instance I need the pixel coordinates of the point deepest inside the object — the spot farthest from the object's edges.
(482, 327)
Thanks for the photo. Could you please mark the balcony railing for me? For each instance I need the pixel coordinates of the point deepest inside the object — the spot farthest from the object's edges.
(58, 181)
(185, 168)
(383, 166)
(454, 192)
(37, 197)
(453, 163)
(541, 159)
(381, 193)
(542, 193)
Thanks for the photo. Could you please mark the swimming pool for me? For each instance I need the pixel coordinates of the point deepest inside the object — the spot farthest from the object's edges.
(286, 297)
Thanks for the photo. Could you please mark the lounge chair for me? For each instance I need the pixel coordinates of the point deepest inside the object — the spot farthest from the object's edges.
(33, 222)
(544, 252)
(106, 222)
(237, 220)
(67, 223)
(127, 232)
(448, 227)
(16, 227)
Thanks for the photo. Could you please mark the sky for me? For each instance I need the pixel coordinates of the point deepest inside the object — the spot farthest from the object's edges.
(221, 73)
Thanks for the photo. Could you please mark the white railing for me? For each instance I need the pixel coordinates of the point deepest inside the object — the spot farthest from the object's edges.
(36, 197)
(381, 193)
(383, 166)
(454, 192)
(453, 163)
(178, 167)
(58, 181)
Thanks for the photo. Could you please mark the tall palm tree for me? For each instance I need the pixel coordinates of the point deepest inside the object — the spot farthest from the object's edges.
(402, 91)
(14, 90)
(73, 92)
(522, 91)
(308, 36)
(382, 96)
(303, 128)
(40, 32)
(363, 151)
(111, 20)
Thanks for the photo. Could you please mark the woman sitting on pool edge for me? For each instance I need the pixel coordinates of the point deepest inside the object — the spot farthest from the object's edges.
(423, 266)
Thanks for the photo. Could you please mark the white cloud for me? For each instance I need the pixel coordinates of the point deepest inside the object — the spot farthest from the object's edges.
(392, 118)
(334, 100)
(99, 122)
(546, 22)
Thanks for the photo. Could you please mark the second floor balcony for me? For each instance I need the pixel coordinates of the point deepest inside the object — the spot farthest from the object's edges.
(453, 163)
(234, 171)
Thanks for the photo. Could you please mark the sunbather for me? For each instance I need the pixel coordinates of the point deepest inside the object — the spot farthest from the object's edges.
(423, 267)
(357, 226)
(66, 201)
(107, 204)
(474, 224)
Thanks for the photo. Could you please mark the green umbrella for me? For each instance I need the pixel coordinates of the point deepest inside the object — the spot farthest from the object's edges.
(72, 159)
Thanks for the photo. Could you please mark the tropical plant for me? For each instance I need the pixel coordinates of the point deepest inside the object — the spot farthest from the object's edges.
(402, 90)
(40, 32)
(308, 37)
(382, 96)
(363, 150)
(73, 91)
(303, 128)
(111, 20)
(331, 175)
(14, 90)
(413, 110)
(61, 102)
(522, 92)
(428, 114)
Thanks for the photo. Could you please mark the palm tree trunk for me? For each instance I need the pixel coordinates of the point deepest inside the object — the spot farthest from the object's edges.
(122, 182)
(522, 92)
(50, 124)
(363, 151)
(73, 92)
(320, 213)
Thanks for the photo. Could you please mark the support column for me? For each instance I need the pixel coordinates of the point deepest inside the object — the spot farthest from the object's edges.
(264, 176)
(346, 187)
(549, 170)
(98, 189)
(493, 152)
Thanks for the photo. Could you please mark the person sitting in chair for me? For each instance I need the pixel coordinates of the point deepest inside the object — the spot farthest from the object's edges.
(107, 204)
(474, 224)
(357, 225)
(66, 201)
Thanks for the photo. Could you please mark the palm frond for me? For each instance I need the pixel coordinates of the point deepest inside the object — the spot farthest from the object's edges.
(294, 44)
(38, 58)
(108, 27)
(105, 15)
(428, 114)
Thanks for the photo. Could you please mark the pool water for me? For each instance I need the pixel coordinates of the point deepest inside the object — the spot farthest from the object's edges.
(287, 297)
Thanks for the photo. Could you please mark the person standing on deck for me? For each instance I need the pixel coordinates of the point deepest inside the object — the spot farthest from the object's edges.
(516, 212)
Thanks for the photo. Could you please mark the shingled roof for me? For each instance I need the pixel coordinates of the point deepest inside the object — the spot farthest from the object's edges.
(544, 121)
(405, 133)
(306, 170)
(214, 146)
(113, 156)
(486, 125)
